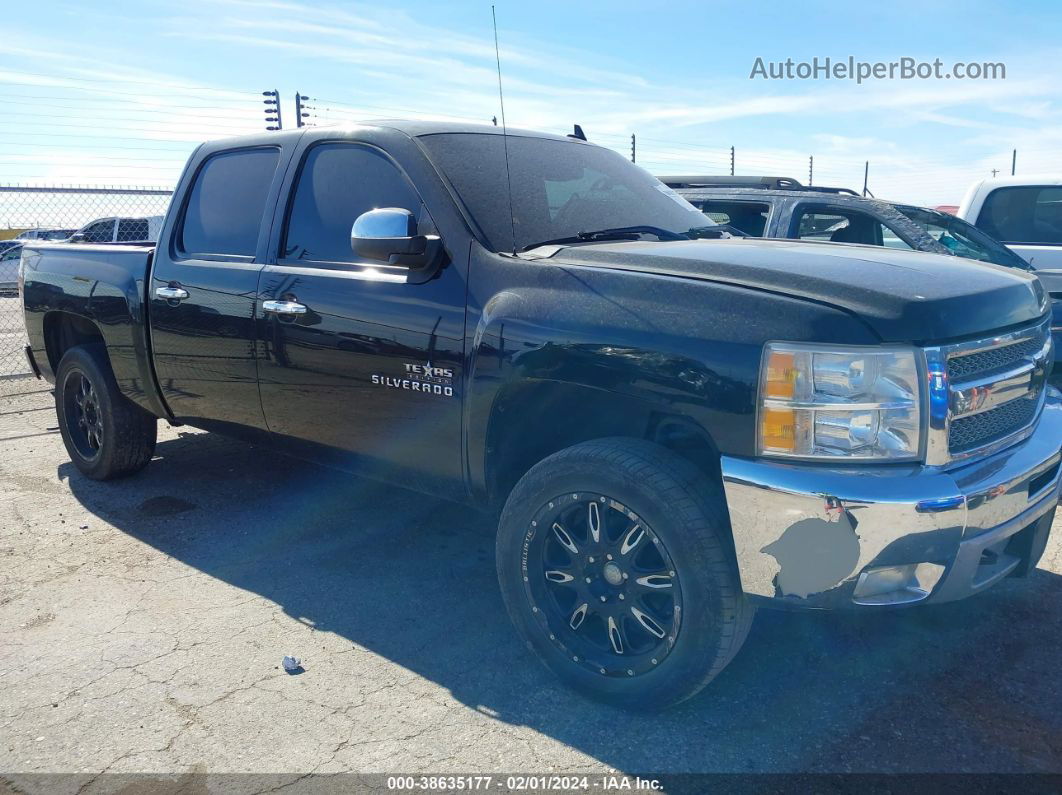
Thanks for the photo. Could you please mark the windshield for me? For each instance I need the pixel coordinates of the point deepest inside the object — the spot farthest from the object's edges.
(559, 189)
(961, 238)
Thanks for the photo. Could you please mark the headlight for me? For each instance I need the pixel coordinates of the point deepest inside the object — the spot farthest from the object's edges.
(836, 402)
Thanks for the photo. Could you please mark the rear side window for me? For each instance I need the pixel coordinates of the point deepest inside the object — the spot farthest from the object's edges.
(749, 217)
(1024, 214)
(226, 203)
(843, 226)
(339, 182)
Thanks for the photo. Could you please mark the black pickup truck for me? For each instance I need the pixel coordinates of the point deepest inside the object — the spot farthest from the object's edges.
(674, 428)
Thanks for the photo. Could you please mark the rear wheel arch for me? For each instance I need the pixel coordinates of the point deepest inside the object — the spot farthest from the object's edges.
(66, 330)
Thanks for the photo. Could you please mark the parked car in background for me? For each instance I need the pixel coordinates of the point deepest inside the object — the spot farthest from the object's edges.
(6, 244)
(9, 259)
(781, 207)
(45, 234)
(119, 230)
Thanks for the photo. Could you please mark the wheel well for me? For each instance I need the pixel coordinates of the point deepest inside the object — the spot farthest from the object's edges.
(534, 421)
(63, 331)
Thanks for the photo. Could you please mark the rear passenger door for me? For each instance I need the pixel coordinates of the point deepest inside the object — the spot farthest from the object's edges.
(204, 285)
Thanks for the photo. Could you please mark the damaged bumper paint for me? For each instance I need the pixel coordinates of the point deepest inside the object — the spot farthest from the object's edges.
(804, 534)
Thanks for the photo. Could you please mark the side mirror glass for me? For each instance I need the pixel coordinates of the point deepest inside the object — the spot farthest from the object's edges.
(389, 234)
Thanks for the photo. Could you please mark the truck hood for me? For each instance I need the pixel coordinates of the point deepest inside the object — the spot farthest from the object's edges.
(904, 296)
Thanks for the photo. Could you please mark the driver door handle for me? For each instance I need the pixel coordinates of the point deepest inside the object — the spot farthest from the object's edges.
(283, 307)
(171, 293)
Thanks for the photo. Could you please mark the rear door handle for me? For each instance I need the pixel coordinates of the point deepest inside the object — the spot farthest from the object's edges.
(171, 293)
(283, 307)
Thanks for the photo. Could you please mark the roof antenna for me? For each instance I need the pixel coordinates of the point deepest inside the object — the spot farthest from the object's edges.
(505, 136)
(579, 135)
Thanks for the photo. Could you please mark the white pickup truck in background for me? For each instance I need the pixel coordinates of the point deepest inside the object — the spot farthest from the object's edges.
(1025, 213)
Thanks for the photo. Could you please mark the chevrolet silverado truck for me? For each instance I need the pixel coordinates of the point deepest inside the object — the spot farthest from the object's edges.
(673, 427)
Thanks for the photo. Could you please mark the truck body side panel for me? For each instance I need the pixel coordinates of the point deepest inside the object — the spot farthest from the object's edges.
(99, 284)
(620, 352)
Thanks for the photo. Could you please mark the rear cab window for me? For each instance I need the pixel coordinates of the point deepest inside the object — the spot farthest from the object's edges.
(223, 213)
(1024, 214)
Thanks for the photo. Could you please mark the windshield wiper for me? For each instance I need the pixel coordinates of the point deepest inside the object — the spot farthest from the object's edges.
(715, 232)
(615, 233)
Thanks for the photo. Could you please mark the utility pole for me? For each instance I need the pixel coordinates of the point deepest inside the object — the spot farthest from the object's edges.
(634, 148)
(1013, 162)
(994, 172)
(272, 110)
(811, 170)
(731, 161)
(301, 109)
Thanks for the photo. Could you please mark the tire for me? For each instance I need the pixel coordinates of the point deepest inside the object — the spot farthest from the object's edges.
(615, 652)
(106, 435)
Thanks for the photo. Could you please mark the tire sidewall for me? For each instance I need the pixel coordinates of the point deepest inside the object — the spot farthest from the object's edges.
(698, 639)
(82, 360)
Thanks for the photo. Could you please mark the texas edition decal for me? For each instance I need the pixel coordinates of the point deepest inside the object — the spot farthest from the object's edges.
(420, 378)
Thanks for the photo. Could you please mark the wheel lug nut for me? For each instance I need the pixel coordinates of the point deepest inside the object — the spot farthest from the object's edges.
(609, 556)
(603, 599)
(622, 596)
(624, 575)
(588, 579)
(591, 560)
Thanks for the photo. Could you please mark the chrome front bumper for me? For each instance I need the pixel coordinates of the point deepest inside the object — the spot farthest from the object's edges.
(806, 535)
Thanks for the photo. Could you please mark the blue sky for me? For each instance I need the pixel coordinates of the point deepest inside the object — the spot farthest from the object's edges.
(112, 92)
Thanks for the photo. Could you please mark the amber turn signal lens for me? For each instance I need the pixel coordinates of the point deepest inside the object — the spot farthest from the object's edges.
(781, 375)
(778, 430)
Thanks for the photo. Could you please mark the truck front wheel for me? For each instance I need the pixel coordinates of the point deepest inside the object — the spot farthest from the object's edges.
(106, 435)
(614, 567)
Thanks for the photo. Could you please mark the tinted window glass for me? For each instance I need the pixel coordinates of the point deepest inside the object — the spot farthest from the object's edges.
(226, 203)
(99, 232)
(338, 183)
(1023, 214)
(749, 217)
(559, 188)
(133, 229)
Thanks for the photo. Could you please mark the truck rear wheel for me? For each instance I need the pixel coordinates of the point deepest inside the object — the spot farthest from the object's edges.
(615, 568)
(106, 435)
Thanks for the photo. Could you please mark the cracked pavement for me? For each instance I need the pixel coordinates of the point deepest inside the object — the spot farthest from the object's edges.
(144, 622)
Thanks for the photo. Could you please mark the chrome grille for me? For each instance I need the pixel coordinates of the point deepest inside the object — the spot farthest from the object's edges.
(985, 394)
(968, 433)
(993, 359)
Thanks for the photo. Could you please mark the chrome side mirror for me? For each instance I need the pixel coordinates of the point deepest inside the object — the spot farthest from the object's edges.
(389, 234)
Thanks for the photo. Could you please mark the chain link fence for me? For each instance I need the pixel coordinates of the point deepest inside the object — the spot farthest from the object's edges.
(68, 216)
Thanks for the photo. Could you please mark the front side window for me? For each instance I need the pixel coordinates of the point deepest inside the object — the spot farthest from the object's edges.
(226, 203)
(1024, 214)
(99, 232)
(559, 188)
(845, 226)
(337, 183)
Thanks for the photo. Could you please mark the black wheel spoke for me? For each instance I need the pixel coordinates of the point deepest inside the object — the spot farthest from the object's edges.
(604, 586)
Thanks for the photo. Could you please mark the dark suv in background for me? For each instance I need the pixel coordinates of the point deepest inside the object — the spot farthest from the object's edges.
(780, 207)
(783, 208)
